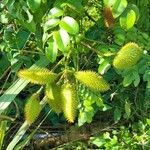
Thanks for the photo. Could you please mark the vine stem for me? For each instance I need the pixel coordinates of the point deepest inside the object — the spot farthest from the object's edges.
(95, 50)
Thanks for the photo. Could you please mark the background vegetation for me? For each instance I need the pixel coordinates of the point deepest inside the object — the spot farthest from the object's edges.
(67, 37)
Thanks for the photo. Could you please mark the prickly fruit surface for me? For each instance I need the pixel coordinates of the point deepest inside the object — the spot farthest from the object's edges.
(92, 80)
(38, 76)
(70, 102)
(53, 93)
(128, 56)
(32, 108)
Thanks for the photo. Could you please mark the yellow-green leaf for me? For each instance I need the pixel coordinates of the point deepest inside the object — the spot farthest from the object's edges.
(62, 40)
(51, 51)
(70, 25)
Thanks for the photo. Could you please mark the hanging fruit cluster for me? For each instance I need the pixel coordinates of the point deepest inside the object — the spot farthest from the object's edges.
(59, 33)
(61, 92)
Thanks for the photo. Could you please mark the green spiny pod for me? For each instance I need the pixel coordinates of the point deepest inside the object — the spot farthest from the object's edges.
(53, 93)
(92, 80)
(128, 56)
(70, 102)
(32, 108)
(38, 75)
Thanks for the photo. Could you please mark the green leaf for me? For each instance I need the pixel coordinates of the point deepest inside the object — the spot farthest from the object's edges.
(81, 118)
(9, 37)
(148, 121)
(135, 9)
(25, 18)
(70, 25)
(10, 5)
(118, 6)
(117, 114)
(128, 79)
(55, 12)
(106, 107)
(136, 79)
(109, 3)
(106, 135)
(89, 115)
(104, 66)
(146, 77)
(120, 38)
(114, 141)
(51, 51)
(28, 13)
(86, 115)
(4, 18)
(131, 75)
(98, 141)
(88, 102)
(62, 40)
(21, 38)
(30, 26)
(127, 109)
(131, 18)
(39, 35)
(4, 63)
(5, 2)
(34, 4)
(99, 102)
(76, 4)
(127, 20)
(51, 23)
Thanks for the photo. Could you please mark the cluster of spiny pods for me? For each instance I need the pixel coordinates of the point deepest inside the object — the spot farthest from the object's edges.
(62, 96)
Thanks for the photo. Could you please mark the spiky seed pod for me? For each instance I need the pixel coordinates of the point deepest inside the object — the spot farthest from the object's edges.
(108, 17)
(128, 56)
(53, 93)
(70, 102)
(32, 108)
(92, 80)
(38, 75)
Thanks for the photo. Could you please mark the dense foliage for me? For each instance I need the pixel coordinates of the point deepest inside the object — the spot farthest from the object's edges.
(70, 64)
